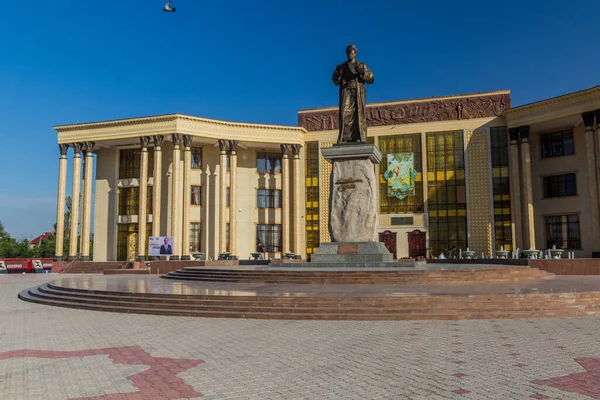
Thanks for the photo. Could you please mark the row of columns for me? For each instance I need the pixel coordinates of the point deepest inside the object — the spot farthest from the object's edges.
(520, 178)
(522, 209)
(180, 218)
(77, 237)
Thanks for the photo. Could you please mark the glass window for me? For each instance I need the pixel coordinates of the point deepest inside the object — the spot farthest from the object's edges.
(129, 163)
(312, 197)
(447, 192)
(560, 185)
(501, 188)
(227, 237)
(196, 157)
(557, 144)
(195, 236)
(196, 195)
(562, 231)
(268, 163)
(129, 201)
(267, 198)
(227, 192)
(268, 238)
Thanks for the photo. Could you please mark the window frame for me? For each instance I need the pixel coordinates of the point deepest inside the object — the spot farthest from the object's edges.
(552, 181)
(270, 235)
(196, 165)
(564, 223)
(271, 199)
(549, 140)
(199, 196)
(272, 162)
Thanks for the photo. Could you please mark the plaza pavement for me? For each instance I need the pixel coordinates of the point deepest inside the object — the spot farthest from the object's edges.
(58, 353)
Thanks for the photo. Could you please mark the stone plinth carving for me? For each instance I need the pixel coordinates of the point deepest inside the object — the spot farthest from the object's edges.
(353, 201)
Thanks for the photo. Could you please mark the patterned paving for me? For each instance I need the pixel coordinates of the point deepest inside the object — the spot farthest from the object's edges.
(58, 353)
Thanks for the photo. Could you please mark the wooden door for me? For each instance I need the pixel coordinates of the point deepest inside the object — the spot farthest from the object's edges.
(416, 244)
(388, 238)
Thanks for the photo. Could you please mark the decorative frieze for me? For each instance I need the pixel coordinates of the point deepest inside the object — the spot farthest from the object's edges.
(441, 109)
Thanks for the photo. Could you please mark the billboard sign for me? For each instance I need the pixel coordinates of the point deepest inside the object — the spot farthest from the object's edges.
(400, 175)
(160, 246)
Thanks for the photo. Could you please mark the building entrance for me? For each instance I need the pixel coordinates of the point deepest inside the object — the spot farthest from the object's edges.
(388, 238)
(417, 242)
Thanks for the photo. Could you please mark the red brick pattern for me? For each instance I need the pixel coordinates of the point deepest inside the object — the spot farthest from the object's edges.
(586, 383)
(160, 381)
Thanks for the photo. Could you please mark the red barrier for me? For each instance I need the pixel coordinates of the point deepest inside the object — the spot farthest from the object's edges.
(30, 265)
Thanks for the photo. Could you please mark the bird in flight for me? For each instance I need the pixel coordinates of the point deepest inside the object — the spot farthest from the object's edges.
(168, 8)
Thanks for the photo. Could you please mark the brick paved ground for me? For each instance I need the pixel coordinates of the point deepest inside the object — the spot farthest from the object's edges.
(57, 353)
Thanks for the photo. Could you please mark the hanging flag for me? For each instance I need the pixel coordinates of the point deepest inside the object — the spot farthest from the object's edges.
(400, 175)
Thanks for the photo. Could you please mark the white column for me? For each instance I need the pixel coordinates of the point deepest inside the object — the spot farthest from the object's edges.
(157, 185)
(176, 198)
(515, 189)
(222, 194)
(233, 144)
(60, 201)
(298, 184)
(528, 219)
(75, 192)
(285, 198)
(87, 205)
(187, 194)
(216, 247)
(206, 214)
(143, 199)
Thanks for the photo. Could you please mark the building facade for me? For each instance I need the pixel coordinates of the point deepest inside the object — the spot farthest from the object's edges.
(457, 172)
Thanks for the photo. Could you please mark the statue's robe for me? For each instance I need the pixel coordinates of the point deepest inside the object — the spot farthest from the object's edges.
(351, 77)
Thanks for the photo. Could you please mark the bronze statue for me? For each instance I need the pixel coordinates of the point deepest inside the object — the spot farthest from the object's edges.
(351, 76)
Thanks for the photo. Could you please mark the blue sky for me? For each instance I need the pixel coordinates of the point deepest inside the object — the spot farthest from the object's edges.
(65, 62)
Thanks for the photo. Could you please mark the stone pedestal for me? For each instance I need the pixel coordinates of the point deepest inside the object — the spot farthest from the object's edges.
(353, 210)
(353, 197)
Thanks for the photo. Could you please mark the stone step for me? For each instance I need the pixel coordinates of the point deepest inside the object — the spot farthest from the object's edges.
(374, 308)
(25, 295)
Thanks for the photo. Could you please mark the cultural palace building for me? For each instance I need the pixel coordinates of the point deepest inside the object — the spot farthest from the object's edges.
(457, 171)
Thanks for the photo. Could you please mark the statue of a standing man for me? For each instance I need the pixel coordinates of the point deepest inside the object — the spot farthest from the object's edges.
(351, 76)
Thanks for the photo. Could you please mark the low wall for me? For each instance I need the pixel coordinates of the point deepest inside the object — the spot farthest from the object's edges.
(491, 261)
(565, 266)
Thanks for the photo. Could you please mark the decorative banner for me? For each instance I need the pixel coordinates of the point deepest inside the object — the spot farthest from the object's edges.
(160, 245)
(400, 175)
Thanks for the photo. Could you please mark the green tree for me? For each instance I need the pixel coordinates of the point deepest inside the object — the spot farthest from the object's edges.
(11, 247)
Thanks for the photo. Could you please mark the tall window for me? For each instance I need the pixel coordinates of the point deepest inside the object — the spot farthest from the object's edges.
(129, 163)
(268, 163)
(401, 144)
(562, 231)
(127, 240)
(227, 194)
(447, 191)
(195, 237)
(196, 157)
(268, 198)
(129, 201)
(268, 238)
(312, 197)
(501, 188)
(560, 185)
(196, 193)
(557, 144)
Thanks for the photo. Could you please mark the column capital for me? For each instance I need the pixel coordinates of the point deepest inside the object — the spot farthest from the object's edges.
(296, 149)
(63, 148)
(588, 118)
(176, 138)
(524, 133)
(513, 133)
(144, 140)
(285, 148)
(88, 147)
(187, 141)
(158, 140)
(77, 147)
(233, 144)
(223, 145)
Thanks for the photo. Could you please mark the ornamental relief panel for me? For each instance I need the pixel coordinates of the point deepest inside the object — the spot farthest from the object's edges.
(416, 112)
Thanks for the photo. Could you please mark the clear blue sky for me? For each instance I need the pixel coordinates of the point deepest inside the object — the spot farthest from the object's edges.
(65, 62)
